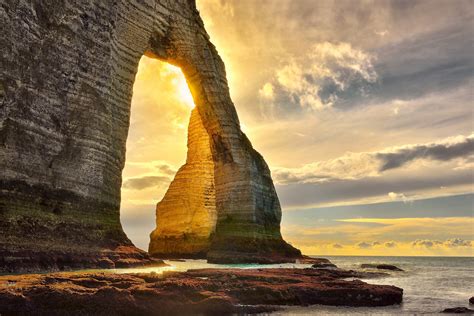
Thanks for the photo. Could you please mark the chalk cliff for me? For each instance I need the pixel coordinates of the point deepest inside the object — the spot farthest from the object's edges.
(66, 76)
(186, 217)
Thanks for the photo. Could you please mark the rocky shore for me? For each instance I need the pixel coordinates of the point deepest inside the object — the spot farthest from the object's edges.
(206, 291)
(24, 261)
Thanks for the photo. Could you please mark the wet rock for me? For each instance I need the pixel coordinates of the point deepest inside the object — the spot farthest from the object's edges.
(380, 267)
(458, 310)
(471, 300)
(324, 265)
(310, 260)
(219, 291)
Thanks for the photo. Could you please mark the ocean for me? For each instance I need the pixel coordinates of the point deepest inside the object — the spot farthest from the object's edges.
(430, 284)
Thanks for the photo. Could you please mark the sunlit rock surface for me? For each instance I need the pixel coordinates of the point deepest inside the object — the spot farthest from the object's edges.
(66, 75)
(186, 217)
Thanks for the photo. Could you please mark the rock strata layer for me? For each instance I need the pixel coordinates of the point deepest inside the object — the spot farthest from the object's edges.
(66, 75)
(207, 291)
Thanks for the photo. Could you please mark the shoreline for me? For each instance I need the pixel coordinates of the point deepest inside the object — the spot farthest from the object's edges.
(222, 291)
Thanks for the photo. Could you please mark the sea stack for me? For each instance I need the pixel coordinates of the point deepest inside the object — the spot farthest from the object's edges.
(67, 72)
(186, 216)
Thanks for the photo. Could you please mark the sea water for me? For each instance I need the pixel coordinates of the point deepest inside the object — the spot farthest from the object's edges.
(430, 284)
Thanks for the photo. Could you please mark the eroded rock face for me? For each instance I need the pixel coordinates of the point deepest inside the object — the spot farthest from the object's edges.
(186, 217)
(66, 76)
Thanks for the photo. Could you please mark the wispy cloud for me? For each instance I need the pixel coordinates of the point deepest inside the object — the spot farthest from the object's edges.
(145, 182)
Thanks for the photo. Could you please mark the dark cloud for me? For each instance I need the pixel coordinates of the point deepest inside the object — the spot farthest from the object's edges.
(450, 243)
(434, 61)
(367, 245)
(344, 191)
(364, 245)
(457, 242)
(441, 152)
(145, 182)
(390, 244)
(166, 169)
(426, 243)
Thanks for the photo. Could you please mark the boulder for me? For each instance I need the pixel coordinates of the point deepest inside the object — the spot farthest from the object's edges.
(380, 267)
(458, 310)
(322, 263)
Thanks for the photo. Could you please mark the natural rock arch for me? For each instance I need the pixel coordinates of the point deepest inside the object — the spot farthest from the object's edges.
(67, 71)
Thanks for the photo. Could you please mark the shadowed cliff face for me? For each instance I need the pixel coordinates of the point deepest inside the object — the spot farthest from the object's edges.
(67, 71)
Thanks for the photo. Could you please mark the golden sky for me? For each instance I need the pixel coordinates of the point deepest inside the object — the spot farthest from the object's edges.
(363, 111)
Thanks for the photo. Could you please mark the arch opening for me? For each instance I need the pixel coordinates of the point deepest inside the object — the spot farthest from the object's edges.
(156, 144)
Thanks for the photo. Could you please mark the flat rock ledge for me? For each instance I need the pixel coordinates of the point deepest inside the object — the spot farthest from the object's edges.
(204, 291)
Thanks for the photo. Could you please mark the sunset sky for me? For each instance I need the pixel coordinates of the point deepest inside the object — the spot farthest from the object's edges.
(362, 109)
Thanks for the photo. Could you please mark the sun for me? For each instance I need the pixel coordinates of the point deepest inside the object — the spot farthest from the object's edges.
(180, 85)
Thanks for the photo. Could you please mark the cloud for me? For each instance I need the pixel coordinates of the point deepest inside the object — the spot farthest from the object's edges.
(419, 184)
(367, 245)
(399, 197)
(449, 243)
(364, 245)
(315, 80)
(166, 169)
(451, 148)
(145, 182)
(353, 166)
(337, 246)
(426, 243)
(457, 242)
(267, 91)
(434, 60)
